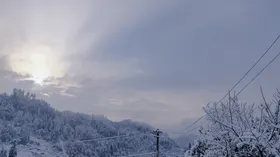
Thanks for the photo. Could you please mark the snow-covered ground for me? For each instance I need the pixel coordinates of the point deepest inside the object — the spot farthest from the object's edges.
(37, 148)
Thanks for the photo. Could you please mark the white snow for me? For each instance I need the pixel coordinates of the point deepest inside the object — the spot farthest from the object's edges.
(39, 148)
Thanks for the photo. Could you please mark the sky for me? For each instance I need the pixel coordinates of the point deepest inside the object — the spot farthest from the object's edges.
(156, 61)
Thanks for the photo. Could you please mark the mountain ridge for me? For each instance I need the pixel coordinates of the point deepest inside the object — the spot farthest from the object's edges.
(24, 118)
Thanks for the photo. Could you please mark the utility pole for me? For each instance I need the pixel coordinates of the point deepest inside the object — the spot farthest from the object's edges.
(157, 133)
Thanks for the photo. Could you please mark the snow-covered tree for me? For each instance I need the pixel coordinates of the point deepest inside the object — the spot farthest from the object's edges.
(8, 133)
(25, 118)
(236, 129)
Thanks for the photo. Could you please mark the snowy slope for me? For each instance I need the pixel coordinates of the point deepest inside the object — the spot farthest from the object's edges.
(36, 148)
(37, 127)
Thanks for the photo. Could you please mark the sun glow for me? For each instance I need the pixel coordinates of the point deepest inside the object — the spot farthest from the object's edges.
(38, 68)
(38, 62)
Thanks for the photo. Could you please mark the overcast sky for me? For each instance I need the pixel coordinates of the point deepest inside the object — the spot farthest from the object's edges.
(156, 61)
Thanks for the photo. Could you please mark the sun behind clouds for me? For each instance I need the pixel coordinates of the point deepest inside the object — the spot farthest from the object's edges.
(39, 62)
(38, 68)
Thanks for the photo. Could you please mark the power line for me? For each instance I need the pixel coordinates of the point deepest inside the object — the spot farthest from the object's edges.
(194, 129)
(186, 133)
(267, 65)
(195, 122)
(267, 50)
(257, 74)
(108, 138)
(163, 136)
(113, 137)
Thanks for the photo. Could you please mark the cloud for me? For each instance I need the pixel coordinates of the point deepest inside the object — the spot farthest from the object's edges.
(46, 94)
(152, 61)
(59, 38)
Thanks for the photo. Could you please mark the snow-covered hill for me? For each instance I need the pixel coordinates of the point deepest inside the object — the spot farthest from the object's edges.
(39, 128)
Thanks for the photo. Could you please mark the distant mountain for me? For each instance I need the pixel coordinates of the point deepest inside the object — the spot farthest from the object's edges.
(185, 140)
(42, 131)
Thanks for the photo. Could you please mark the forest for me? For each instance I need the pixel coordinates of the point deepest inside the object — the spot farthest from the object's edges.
(24, 117)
